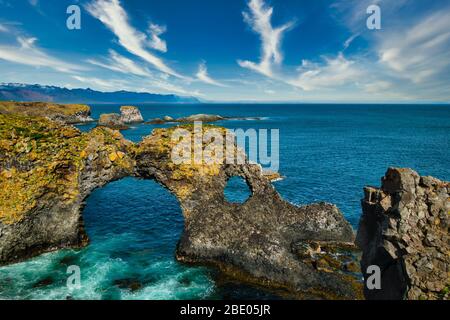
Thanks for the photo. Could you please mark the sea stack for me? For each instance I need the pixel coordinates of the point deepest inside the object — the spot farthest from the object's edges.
(404, 230)
(130, 114)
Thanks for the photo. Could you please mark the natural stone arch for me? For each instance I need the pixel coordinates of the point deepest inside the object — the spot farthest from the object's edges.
(266, 239)
(257, 240)
(243, 190)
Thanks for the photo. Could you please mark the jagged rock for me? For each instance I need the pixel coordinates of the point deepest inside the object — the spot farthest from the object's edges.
(257, 241)
(130, 114)
(67, 113)
(404, 230)
(50, 176)
(112, 120)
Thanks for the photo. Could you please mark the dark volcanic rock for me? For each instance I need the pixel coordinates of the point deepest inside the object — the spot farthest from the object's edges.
(41, 205)
(257, 241)
(129, 284)
(252, 241)
(44, 282)
(404, 230)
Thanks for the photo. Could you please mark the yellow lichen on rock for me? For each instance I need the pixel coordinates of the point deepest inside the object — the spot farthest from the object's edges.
(113, 156)
(41, 160)
(162, 141)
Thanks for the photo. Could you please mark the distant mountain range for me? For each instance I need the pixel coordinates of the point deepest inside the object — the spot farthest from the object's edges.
(35, 92)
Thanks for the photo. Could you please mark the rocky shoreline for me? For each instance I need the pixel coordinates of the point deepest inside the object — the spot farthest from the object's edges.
(66, 113)
(48, 169)
(66, 165)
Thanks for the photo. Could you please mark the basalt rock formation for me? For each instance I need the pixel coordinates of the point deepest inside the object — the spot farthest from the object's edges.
(257, 240)
(404, 230)
(47, 170)
(67, 113)
(130, 114)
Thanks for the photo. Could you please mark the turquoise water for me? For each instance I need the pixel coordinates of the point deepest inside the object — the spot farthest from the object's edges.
(327, 153)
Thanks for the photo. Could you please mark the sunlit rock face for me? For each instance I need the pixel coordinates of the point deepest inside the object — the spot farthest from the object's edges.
(404, 230)
(130, 114)
(47, 170)
(66, 113)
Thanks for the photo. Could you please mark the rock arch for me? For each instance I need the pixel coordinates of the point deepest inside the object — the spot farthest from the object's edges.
(265, 240)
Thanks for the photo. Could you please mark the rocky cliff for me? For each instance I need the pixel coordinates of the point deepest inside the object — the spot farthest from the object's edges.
(47, 170)
(404, 230)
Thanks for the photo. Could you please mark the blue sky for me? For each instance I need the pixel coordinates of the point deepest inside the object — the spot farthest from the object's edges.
(234, 50)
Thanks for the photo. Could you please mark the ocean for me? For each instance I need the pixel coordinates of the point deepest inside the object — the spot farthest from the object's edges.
(328, 152)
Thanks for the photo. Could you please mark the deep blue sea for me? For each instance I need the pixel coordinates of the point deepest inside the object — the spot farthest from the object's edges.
(327, 153)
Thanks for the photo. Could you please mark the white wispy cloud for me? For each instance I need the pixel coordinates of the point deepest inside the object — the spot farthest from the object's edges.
(378, 86)
(172, 88)
(413, 47)
(259, 19)
(114, 17)
(349, 41)
(333, 73)
(27, 53)
(202, 75)
(421, 51)
(156, 42)
(106, 85)
(3, 28)
(119, 63)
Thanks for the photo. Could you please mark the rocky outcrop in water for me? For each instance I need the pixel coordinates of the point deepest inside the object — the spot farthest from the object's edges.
(207, 118)
(254, 241)
(130, 114)
(404, 230)
(47, 170)
(66, 113)
(112, 120)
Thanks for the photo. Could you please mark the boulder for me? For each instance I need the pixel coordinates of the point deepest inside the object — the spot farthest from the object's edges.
(404, 229)
(130, 114)
(112, 120)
